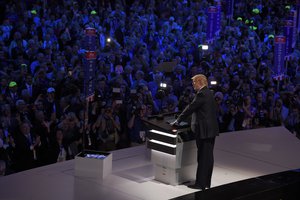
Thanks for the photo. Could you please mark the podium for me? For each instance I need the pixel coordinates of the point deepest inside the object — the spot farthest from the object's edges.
(173, 150)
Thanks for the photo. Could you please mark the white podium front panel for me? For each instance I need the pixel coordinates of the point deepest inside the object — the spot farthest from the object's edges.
(178, 168)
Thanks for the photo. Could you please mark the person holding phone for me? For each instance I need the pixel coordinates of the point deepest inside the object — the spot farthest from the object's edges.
(204, 125)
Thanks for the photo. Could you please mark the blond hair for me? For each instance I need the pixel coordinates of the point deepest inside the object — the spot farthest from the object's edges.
(200, 78)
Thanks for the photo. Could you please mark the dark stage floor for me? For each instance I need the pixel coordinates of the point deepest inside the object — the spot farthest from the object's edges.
(278, 186)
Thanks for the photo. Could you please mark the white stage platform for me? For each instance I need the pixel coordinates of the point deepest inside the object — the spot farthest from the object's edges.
(238, 156)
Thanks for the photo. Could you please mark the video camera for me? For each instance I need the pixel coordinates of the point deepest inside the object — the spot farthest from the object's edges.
(161, 92)
(116, 95)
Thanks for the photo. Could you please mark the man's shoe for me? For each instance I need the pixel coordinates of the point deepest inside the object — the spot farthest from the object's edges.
(197, 187)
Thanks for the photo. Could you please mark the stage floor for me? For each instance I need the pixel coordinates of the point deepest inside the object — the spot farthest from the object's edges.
(238, 156)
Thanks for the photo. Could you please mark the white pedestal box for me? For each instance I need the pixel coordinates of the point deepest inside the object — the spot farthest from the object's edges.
(94, 164)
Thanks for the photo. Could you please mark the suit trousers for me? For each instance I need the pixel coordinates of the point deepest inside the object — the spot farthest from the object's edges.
(205, 159)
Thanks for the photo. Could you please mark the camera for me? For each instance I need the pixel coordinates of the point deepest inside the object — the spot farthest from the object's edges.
(133, 94)
(160, 94)
(134, 110)
(116, 94)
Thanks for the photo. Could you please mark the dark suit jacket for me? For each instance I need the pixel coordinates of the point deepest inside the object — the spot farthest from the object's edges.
(24, 155)
(204, 121)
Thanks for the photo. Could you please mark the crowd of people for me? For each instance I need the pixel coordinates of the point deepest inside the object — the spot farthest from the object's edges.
(144, 69)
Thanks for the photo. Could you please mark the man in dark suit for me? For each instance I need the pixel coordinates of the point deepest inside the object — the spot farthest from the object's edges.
(204, 125)
(26, 148)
